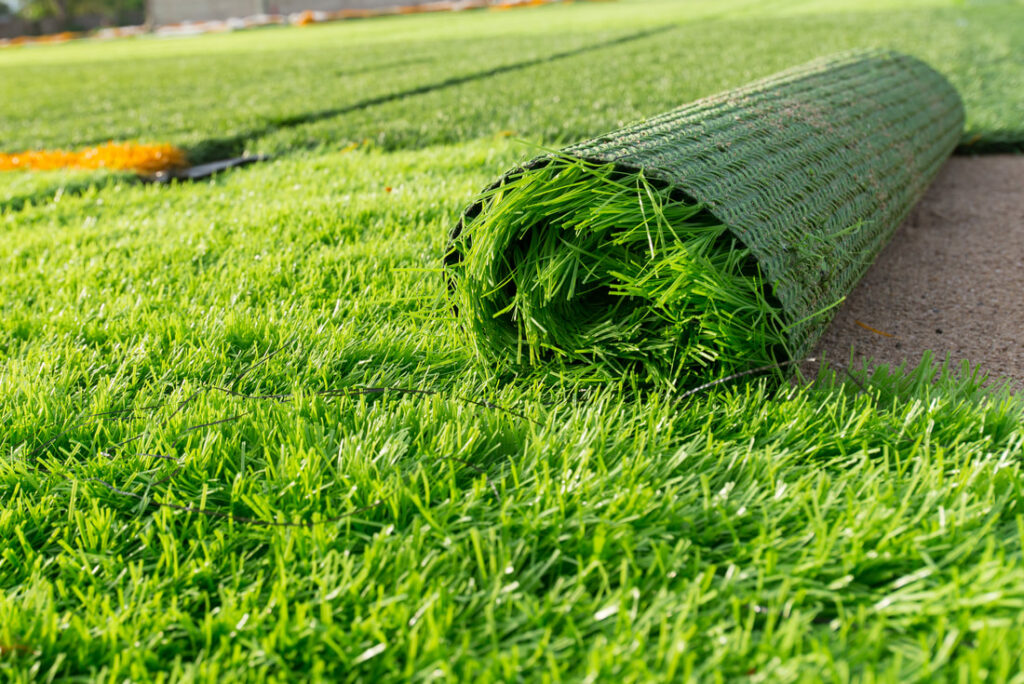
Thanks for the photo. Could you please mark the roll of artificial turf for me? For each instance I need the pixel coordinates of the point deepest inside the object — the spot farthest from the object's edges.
(716, 237)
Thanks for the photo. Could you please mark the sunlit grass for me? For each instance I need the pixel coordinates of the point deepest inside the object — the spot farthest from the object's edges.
(485, 528)
(243, 438)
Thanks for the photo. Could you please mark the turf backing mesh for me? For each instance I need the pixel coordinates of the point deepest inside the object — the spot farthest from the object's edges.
(810, 170)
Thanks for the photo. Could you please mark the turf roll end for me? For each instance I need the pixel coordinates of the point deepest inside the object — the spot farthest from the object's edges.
(711, 239)
(607, 273)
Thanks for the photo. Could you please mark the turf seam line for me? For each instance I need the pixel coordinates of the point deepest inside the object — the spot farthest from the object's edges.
(233, 145)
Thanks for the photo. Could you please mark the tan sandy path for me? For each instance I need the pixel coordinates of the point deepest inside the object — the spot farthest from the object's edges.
(951, 280)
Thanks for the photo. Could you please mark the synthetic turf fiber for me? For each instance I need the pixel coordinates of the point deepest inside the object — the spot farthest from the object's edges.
(809, 172)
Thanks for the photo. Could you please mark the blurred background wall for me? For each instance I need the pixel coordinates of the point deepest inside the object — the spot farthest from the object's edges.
(35, 17)
(176, 11)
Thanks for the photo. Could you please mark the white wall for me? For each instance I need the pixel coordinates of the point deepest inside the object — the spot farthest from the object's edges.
(289, 6)
(176, 11)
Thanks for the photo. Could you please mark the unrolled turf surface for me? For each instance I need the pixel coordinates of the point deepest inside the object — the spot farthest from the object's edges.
(847, 531)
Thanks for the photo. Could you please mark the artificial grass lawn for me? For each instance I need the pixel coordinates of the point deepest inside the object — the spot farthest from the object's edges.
(277, 90)
(583, 96)
(827, 530)
(494, 528)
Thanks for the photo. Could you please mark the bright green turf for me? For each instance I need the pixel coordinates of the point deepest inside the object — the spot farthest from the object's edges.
(818, 530)
(822, 532)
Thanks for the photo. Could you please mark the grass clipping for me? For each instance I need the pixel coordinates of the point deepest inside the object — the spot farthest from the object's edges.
(595, 273)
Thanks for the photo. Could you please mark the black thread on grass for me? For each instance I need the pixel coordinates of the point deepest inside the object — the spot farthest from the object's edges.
(111, 453)
(284, 397)
(764, 370)
(357, 391)
(855, 380)
(475, 468)
(253, 366)
(760, 370)
(213, 513)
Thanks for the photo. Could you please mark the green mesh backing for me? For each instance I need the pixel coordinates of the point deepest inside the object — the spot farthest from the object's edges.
(813, 168)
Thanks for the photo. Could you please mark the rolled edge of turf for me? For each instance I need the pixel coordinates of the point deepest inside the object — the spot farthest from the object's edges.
(812, 169)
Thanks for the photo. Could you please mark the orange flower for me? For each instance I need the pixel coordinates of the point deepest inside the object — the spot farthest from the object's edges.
(147, 159)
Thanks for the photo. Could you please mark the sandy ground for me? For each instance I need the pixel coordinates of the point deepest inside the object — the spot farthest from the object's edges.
(951, 280)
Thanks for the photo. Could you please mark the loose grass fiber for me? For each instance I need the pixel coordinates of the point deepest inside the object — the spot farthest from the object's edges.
(713, 238)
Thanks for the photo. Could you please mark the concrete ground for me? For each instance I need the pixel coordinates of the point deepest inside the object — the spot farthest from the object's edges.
(951, 280)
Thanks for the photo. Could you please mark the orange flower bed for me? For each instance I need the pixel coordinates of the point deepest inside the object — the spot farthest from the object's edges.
(148, 159)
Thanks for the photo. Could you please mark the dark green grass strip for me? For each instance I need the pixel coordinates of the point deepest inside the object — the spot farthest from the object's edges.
(971, 46)
(215, 148)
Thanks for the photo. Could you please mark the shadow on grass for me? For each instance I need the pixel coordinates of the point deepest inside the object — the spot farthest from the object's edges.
(992, 142)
